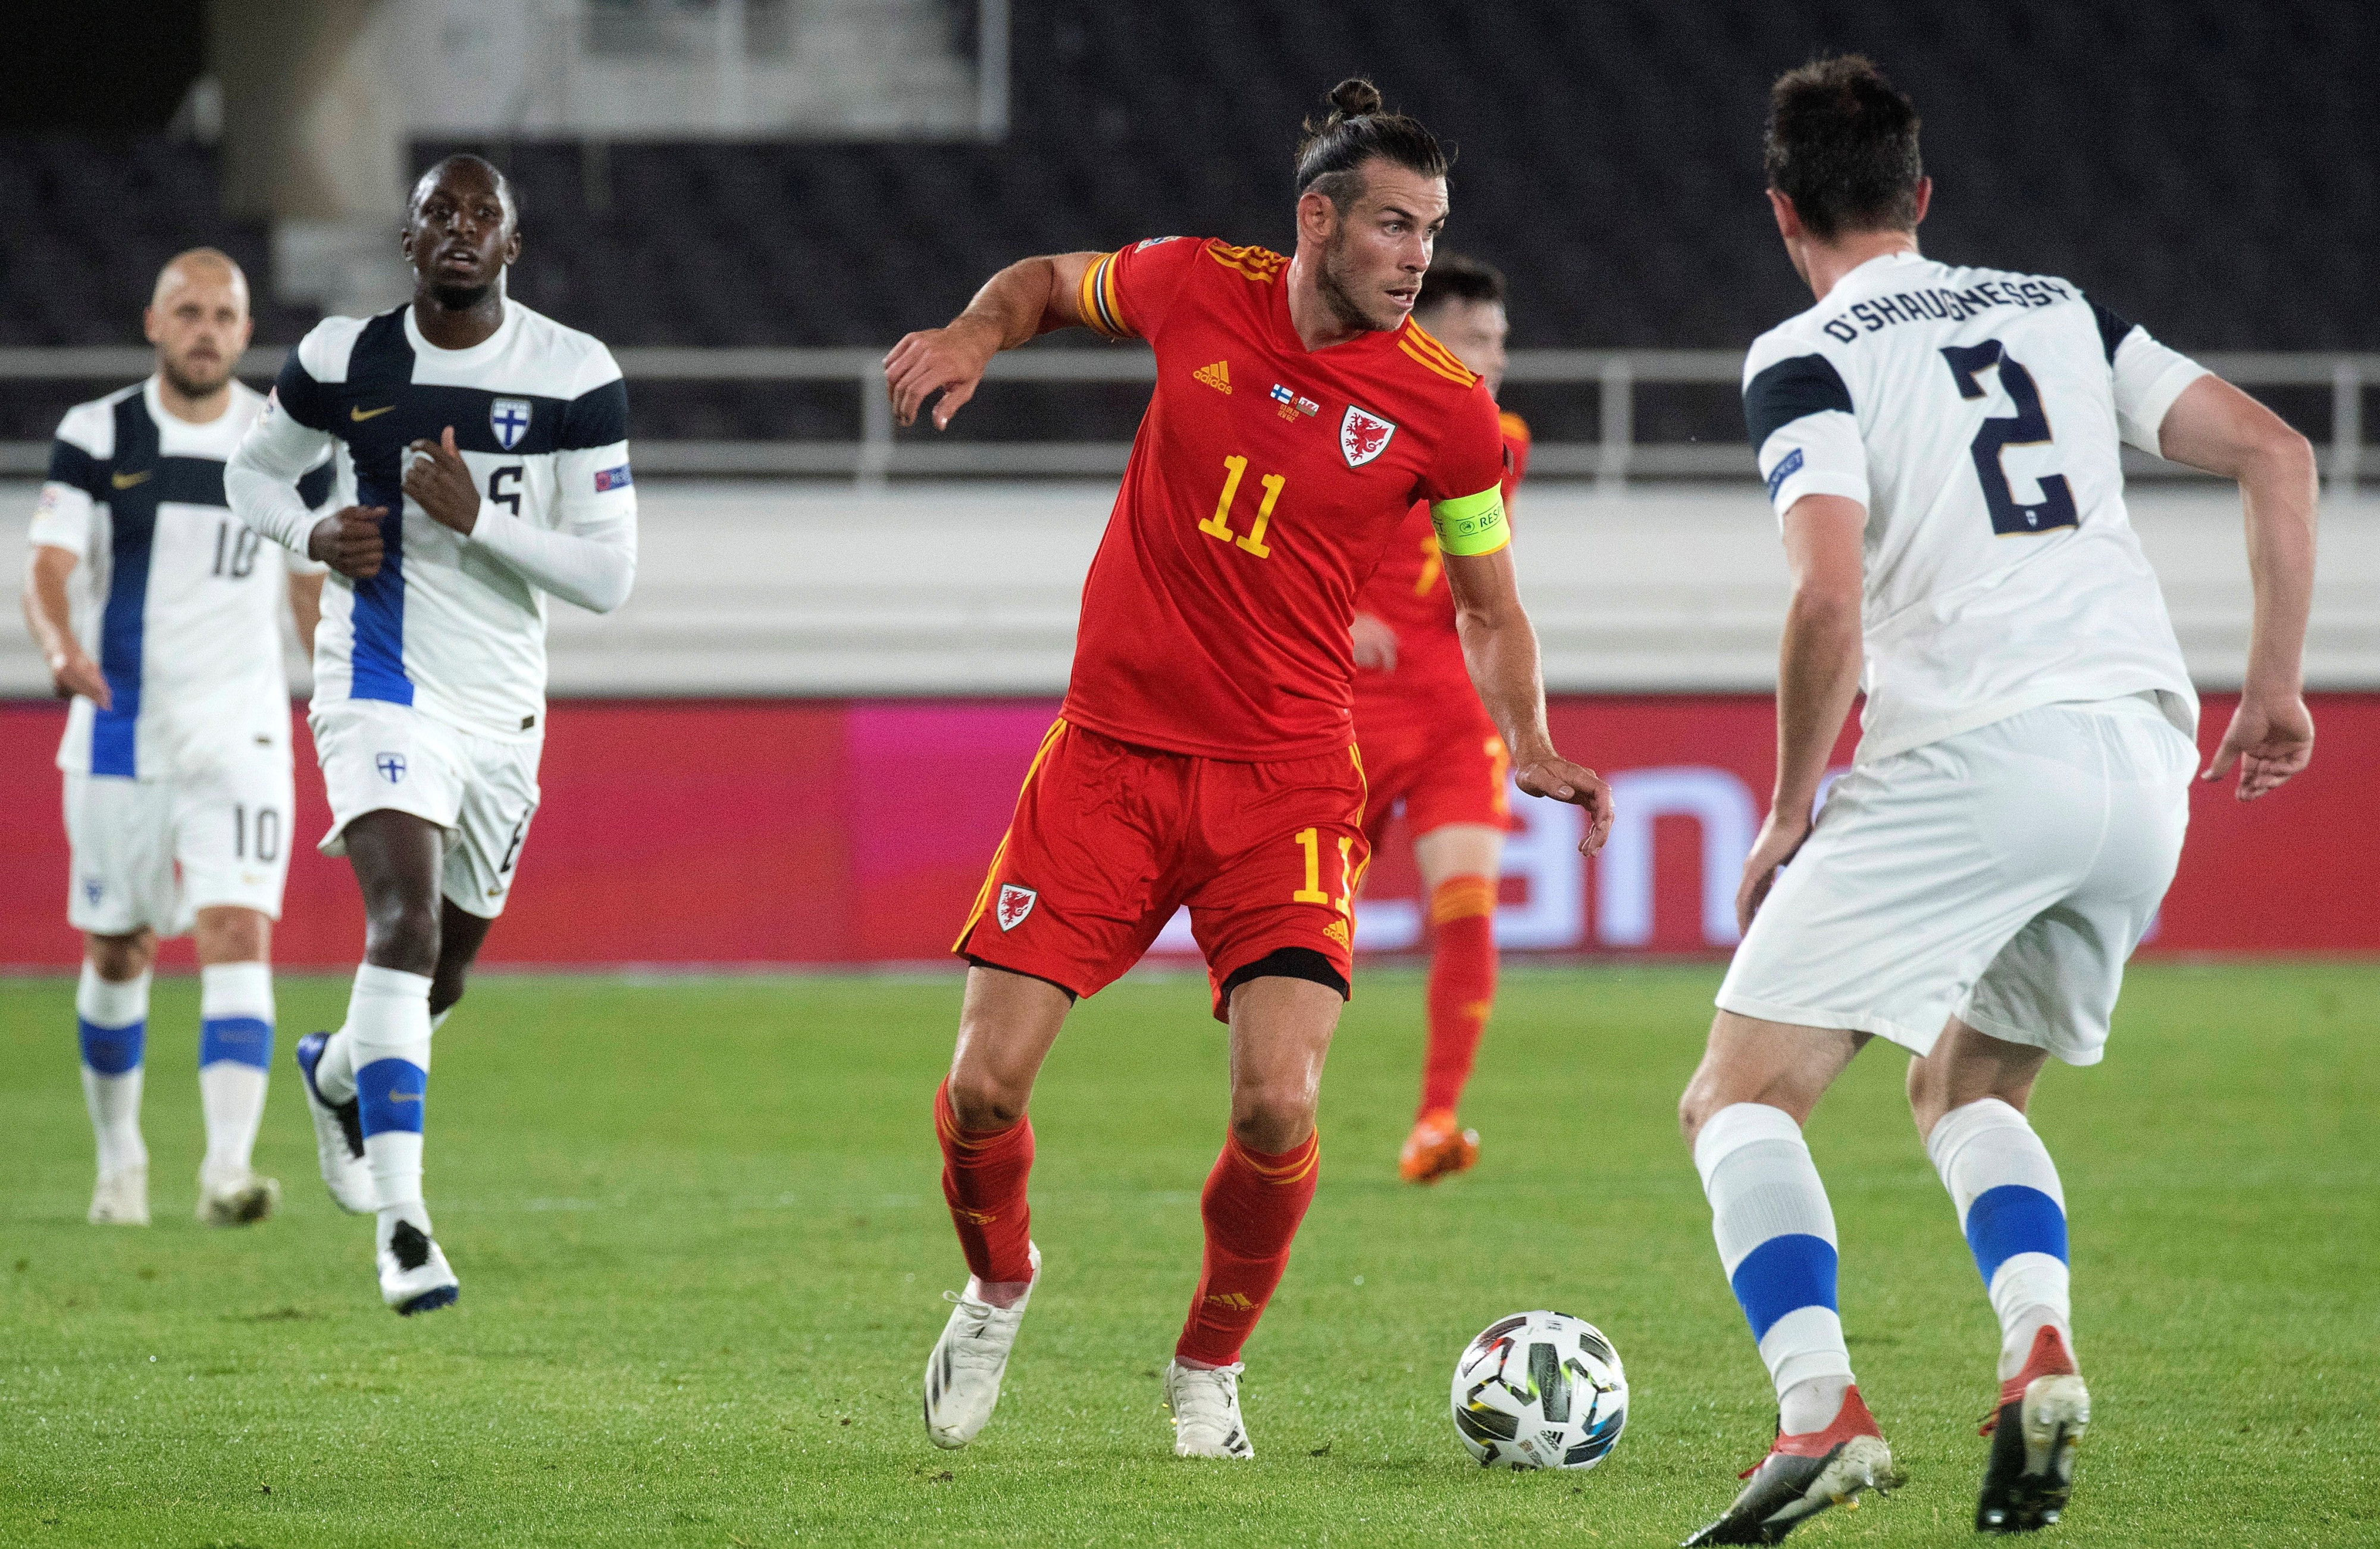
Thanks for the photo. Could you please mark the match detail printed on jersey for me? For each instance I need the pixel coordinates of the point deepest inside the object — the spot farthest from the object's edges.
(1979, 417)
(1215, 616)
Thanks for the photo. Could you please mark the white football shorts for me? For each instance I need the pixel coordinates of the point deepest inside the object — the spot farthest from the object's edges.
(2001, 876)
(156, 852)
(482, 790)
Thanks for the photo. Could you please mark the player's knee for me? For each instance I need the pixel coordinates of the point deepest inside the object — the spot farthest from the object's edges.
(1273, 1118)
(402, 933)
(120, 959)
(983, 1101)
(233, 936)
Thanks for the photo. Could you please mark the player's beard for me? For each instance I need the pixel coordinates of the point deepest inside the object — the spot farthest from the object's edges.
(190, 383)
(1339, 295)
(462, 297)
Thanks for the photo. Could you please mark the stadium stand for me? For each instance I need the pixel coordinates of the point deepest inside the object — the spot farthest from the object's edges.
(1610, 164)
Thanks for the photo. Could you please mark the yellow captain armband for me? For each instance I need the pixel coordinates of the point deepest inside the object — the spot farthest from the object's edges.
(1472, 524)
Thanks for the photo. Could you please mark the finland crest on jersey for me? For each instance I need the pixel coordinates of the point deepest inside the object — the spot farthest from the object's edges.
(1979, 417)
(509, 419)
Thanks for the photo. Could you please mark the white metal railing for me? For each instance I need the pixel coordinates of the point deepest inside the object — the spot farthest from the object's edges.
(1612, 459)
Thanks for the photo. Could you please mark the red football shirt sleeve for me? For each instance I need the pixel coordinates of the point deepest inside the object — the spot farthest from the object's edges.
(1464, 485)
(1516, 454)
(1127, 294)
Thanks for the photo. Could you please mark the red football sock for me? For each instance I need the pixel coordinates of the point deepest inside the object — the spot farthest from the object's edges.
(983, 1178)
(1462, 985)
(1252, 1206)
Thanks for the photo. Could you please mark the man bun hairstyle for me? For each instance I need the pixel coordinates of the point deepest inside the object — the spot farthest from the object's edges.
(1454, 277)
(1842, 145)
(1331, 155)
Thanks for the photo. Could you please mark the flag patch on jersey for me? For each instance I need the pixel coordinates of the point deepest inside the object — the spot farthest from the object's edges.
(1362, 436)
(509, 419)
(613, 478)
(1786, 467)
(1292, 405)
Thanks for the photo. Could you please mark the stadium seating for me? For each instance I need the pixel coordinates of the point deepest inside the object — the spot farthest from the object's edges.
(1610, 162)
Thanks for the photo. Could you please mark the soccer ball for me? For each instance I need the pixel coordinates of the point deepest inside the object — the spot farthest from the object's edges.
(1539, 1390)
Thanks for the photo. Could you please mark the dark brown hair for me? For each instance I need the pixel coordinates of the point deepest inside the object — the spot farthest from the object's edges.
(1842, 145)
(1453, 277)
(1330, 156)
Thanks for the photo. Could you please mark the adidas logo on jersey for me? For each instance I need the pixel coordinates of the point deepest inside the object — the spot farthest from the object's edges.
(1218, 376)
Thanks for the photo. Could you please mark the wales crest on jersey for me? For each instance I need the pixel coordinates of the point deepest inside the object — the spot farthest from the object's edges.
(1362, 436)
(509, 419)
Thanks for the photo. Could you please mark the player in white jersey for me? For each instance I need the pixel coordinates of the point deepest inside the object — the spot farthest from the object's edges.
(161, 616)
(491, 456)
(1941, 447)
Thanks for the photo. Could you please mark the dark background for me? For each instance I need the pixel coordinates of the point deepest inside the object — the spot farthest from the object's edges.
(2210, 170)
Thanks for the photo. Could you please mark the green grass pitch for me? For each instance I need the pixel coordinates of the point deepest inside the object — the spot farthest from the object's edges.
(702, 1253)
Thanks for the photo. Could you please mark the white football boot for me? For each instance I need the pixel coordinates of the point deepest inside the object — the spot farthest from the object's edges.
(1206, 1405)
(236, 1201)
(963, 1374)
(338, 1135)
(414, 1276)
(122, 1198)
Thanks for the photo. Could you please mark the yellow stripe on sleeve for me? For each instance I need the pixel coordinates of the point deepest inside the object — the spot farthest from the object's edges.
(1097, 302)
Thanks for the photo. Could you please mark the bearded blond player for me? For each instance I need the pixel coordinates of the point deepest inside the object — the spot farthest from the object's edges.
(159, 615)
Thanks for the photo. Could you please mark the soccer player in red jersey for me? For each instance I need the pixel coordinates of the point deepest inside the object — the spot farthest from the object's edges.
(1205, 752)
(1428, 746)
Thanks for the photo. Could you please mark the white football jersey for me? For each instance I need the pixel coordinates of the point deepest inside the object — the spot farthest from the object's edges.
(178, 602)
(455, 626)
(1979, 417)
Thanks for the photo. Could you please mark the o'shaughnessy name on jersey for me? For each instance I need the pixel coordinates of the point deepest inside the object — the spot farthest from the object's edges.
(1943, 304)
(1978, 416)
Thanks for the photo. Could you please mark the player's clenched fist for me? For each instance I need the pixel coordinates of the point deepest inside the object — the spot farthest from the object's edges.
(1551, 775)
(440, 482)
(348, 541)
(946, 360)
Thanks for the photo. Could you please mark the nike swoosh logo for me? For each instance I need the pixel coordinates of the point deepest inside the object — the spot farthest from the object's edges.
(126, 480)
(359, 415)
(405, 1097)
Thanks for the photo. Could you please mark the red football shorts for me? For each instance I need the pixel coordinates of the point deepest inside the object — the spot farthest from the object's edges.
(1109, 839)
(1440, 756)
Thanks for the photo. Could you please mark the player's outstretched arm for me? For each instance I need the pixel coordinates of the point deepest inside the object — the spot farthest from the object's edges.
(1017, 306)
(49, 616)
(2215, 427)
(1500, 645)
(1817, 676)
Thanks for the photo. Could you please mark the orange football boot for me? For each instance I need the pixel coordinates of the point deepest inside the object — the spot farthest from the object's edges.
(1439, 1145)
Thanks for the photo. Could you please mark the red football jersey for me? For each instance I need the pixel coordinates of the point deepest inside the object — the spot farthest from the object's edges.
(1264, 482)
(1409, 593)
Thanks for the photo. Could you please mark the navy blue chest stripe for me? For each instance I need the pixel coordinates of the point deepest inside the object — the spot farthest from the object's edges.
(133, 525)
(380, 365)
(1791, 390)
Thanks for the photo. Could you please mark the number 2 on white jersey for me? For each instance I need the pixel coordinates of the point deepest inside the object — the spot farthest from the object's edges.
(2028, 427)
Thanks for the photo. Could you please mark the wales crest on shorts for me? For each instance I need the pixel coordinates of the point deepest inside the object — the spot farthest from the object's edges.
(1362, 436)
(1015, 904)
